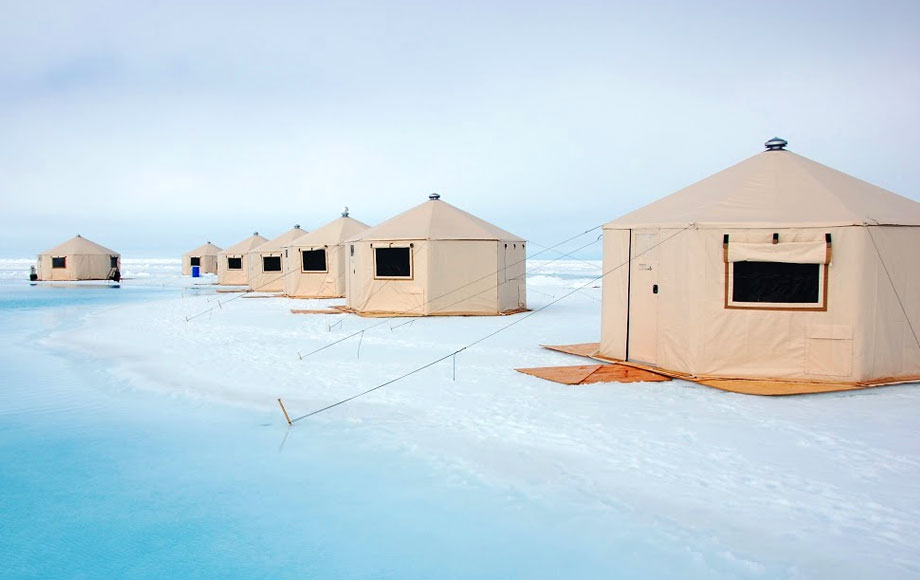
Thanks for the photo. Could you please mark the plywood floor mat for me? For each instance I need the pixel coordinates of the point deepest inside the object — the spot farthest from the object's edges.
(417, 315)
(746, 386)
(599, 373)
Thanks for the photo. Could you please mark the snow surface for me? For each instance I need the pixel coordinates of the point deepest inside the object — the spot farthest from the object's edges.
(817, 486)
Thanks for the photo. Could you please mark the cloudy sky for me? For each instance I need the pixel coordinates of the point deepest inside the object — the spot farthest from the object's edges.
(152, 127)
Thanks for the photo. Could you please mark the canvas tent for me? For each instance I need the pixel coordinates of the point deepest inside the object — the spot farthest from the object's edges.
(776, 268)
(314, 264)
(232, 262)
(266, 262)
(435, 259)
(79, 259)
(205, 257)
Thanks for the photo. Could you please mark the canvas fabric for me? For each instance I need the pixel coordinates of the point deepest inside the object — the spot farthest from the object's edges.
(241, 250)
(461, 265)
(85, 260)
(260, 280)
(864, 334)
(208, 258)
(328, 284)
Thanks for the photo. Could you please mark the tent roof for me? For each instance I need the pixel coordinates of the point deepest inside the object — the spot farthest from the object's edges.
(246, 245)
(333, 233)
(436, 220)
(776, 188)
(208, 249)
(283, 240)
(79, 246)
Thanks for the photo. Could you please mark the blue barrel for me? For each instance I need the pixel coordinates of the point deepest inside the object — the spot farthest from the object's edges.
(196, 271)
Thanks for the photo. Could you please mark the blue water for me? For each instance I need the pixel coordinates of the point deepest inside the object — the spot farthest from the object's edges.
(99, 480)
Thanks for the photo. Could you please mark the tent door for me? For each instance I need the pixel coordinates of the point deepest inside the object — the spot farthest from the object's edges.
(643, 298)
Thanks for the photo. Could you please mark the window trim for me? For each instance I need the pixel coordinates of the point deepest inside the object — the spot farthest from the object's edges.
(280, 264)
(410, 247)
(232, 269)
(325, 251)
(823, 281)
(191, 261)
(819, 306)
(53, 258)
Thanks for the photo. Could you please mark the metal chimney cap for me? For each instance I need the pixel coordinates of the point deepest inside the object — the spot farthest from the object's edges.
(255, 233)
(345, 211)
(776, 144)
(434, 196)
(296, 226)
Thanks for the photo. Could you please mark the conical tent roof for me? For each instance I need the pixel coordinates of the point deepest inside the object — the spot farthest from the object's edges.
(436, 220)
(78, 245)
(246, 245)
(208, 249)
(333, 233)
(283, 240)
(777, 188)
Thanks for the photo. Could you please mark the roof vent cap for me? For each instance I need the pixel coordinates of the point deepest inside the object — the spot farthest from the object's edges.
(776, 144)
(345, 211)
(434, 196)
(296, 226)
(255, 233)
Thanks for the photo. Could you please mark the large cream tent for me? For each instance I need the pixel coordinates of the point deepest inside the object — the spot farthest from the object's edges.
(265, 263)
(232, 263)
(314, 264)
(435, 259)
(776, 268)
(79, 259)
(205, 257)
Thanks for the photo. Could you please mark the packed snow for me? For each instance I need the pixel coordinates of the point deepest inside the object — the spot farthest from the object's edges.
(816, 486)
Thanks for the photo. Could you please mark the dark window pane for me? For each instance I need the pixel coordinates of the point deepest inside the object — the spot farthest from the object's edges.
(775, 282)
(271, 263)
(313, 260)
(59, 262)
(234, 263)
(393, 262)
(195, 261)
(113, 261)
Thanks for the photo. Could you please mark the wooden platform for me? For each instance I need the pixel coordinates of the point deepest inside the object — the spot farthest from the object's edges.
(746, 386)
(279, 295)
(586, 349)
(318, 311)
(601, 373)
(411, 314)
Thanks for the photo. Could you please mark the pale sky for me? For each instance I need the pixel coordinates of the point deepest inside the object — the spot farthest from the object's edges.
(152, 127)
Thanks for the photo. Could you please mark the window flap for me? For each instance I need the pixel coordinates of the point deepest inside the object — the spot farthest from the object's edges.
(788, 252)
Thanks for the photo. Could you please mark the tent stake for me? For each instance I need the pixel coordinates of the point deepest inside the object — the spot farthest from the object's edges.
(283, 410)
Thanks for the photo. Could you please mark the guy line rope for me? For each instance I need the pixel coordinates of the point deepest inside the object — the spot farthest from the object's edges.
(517, 320)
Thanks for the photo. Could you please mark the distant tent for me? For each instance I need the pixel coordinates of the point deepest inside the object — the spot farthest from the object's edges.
(232, 262)
(314, 264)
(265, 263)
(436, 259)
(205, 257)
(79, 259)
(776, 268)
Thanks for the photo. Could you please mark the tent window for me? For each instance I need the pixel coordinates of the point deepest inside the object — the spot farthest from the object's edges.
(776, 283)
(59, 262)
(271, 263)
(313, 260)
(113, 261)
(393, 262)
(195, 261)
(234, 263)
